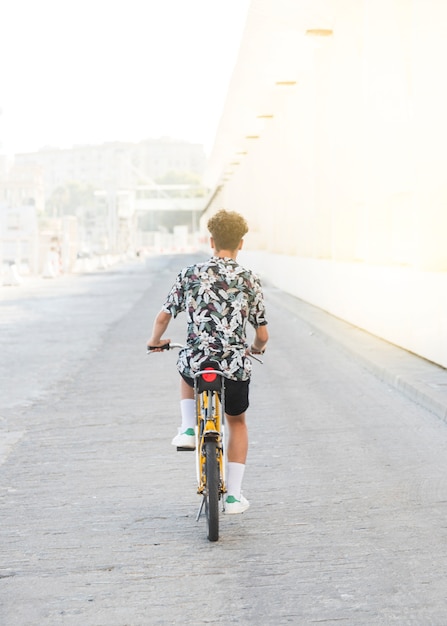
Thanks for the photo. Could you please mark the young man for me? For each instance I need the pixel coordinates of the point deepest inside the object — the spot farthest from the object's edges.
(219, 298)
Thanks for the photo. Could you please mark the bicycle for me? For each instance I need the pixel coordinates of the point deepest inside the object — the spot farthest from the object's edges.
(209, 394)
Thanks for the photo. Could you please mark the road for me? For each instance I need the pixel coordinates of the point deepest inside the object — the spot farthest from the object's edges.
(346, 476)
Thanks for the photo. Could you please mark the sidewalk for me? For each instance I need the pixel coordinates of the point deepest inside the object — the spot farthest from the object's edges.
(423, 382)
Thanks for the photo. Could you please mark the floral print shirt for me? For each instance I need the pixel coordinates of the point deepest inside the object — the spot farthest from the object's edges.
(219, 297)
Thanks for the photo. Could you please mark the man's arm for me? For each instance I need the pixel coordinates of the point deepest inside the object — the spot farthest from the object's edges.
(161, 323)
(261, 338)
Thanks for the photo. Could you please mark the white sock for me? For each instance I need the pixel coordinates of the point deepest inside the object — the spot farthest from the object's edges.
(188, 412)
(235, 474)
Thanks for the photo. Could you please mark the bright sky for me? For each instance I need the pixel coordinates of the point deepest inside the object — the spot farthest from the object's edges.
(89, 71)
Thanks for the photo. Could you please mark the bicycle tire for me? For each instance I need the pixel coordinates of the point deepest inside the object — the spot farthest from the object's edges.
(212, 490)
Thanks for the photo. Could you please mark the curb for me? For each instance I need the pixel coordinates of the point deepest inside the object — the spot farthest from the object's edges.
(421, 381)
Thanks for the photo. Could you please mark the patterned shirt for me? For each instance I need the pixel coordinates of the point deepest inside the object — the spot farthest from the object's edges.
(219, 297)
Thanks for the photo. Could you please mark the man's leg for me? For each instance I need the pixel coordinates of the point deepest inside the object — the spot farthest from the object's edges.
(186, 435)
(238, 439)
(186, 391)
(237, 455)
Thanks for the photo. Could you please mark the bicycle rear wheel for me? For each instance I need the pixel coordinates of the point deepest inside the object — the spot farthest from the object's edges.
(212, 490)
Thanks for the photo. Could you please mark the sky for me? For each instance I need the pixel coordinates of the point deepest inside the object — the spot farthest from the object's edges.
(90, 71)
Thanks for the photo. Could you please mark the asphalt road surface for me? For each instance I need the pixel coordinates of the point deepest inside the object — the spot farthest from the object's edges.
(346, 476)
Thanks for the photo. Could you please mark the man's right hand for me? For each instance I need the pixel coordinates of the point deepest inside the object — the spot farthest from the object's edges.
(158, 346)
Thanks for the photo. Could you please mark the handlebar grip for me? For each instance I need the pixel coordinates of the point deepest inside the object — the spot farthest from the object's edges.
(165, 346)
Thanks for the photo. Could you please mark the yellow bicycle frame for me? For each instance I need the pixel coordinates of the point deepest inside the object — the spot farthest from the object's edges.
(210, 424)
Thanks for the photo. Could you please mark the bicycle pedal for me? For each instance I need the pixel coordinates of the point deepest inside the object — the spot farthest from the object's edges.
(182, 449)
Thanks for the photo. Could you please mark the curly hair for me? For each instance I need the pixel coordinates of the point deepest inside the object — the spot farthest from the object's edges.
(227, 229)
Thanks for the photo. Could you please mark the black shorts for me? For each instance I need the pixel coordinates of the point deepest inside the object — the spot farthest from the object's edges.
(236, 394)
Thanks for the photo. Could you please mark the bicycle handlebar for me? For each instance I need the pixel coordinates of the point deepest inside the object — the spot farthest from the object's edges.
(171, 346)
(166, 346)
(255, 357)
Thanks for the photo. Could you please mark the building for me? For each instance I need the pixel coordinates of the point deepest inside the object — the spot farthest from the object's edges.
(21, 201)
(332, 143)
(115, 177)
(22, 184)
(115, 165)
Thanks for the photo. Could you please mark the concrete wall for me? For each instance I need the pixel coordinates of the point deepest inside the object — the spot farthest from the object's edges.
(345, 186)
(403, 306)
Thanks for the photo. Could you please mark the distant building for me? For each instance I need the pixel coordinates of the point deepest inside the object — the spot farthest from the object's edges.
(19, 241)
(22, 184)
(115, 165)
(126, 210)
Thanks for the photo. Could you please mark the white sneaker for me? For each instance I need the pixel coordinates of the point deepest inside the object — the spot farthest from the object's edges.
(187, 439)
(234, 506)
